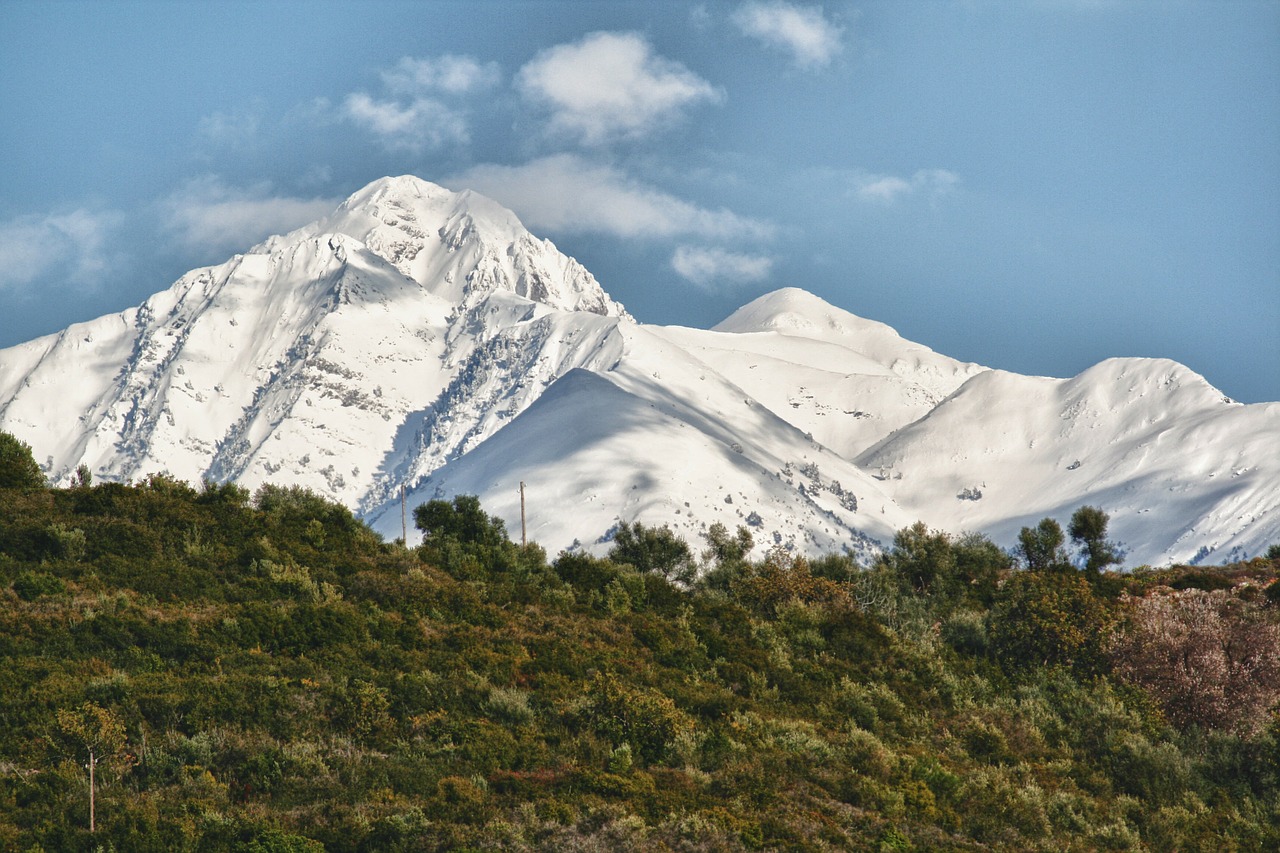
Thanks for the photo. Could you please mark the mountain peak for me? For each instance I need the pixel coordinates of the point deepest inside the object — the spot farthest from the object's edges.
(796, 312)
(415, 196)
(459, 246)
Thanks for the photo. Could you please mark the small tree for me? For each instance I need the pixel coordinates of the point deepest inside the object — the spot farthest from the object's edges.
(653, 549)
(728, 551)
(461, 520)
(464, 540)
(94, 733)
(979, 563)
(18, 468)
(1040, 547)
(726, 557)
(921, 558)
(1088, 529)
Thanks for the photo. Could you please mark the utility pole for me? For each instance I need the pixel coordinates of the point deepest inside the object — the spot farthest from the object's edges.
(524, 538)
(404, 523)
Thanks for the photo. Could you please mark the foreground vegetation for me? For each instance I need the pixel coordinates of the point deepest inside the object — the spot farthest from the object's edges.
(264, 674)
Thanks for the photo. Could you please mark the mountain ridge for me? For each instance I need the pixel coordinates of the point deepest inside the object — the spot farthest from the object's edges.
(413, 335)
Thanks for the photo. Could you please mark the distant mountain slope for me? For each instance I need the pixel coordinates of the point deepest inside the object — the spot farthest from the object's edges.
(847, 381)
(422, 338)
(1184, 472)
(659, 437)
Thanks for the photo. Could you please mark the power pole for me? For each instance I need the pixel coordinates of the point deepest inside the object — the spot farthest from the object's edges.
(404, 524)
(524, 538)
(93, 762)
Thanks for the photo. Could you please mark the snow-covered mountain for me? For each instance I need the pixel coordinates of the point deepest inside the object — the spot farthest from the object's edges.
(424, 338)
(1185, 473)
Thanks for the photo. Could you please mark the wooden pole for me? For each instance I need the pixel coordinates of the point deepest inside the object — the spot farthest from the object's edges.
(93, 759)
(404, 523)
(524, 538)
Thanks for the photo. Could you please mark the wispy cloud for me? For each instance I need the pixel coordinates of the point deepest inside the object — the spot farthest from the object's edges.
(423, 109)
(567, 194)
(887, 189)
(455, 75)
(234, 128)
(803, 31)
(707, 268)
(209, 216)
(422, 124)
(72, 247)
(610, 86)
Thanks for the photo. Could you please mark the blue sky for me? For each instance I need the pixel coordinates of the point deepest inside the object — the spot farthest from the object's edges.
(1033, 185)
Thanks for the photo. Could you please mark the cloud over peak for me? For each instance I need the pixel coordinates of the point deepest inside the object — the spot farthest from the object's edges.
(208, 216)
(708, 267)
(422, 111)
(455, 75)
(610, 86)
(422, 124)
(803, 31)
(567, 194)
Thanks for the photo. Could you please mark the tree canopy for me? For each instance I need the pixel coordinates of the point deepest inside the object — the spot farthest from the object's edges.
(1088, 529)
(1040, 547)
(18, 467)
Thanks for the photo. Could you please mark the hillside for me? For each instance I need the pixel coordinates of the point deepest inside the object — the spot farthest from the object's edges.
(264, 673)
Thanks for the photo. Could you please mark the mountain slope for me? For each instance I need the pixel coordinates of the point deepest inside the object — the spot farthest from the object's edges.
(302, 360)
(420, 338)
(847, 381)
(1183, 471)
(658, 436)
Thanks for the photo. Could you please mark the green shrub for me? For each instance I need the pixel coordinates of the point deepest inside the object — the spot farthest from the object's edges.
(966, 632)
(30, 585)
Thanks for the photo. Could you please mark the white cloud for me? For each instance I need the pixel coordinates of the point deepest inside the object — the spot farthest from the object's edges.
(610, 86)
(73, 247)
(422, 124)
(887, 189)
(567, 194)
(220, 220)
(456, 75)
(707, 267)
(804, 31)
(416, 116)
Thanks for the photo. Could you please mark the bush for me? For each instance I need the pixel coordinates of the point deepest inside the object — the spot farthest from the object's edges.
(1050, 619)
(646, 719)
(653, 549)
(1208, 658)
(31, 585)
(966, 632)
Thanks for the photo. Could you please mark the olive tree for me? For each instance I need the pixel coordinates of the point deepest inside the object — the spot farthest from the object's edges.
(1088, 529)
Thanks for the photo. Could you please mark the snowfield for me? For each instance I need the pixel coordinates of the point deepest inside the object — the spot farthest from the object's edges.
(423, 338)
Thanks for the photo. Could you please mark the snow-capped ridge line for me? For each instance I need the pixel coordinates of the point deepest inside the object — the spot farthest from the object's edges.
(422, 338)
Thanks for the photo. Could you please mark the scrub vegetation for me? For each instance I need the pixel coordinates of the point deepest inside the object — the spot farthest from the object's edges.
(263, 673)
